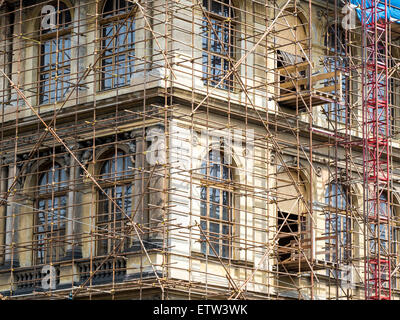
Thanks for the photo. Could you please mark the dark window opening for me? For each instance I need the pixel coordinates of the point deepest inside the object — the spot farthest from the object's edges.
(288, 234)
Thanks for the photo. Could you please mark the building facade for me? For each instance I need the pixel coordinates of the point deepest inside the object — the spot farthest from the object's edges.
(187, 149)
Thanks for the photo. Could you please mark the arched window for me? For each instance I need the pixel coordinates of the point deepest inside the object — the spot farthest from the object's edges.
(216, 206)
(55, 53)
(50, 221)
(336, 223)
(115, 177)
(118, 43)
(215, 61)
(289, 43)
(335, 196)
(336, 59)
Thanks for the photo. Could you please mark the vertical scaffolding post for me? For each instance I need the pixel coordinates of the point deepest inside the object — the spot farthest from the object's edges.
(376, 150)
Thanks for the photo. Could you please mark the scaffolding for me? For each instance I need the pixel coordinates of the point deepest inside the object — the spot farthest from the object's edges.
(213, 149)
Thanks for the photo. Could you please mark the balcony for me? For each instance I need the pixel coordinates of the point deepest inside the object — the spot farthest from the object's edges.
(293, 86)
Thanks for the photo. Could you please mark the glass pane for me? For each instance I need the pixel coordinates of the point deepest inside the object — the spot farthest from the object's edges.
(225, 241)
(56, 65)
(128, 200)
(214, 229)
(213, 63)
(214, 195)
(121, 48)
(118, 166)
(203, 204)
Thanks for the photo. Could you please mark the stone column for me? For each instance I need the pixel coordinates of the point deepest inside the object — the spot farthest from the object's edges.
(143, 44)
(69, 273)
(11, 258)
(78, 44)
(3, 210)
(160, 70)
(140, 198)
(150, 213)
(180, 152)
(6, 51)
(18, 72)
(73, 250)
(156, 156)
(86, 210)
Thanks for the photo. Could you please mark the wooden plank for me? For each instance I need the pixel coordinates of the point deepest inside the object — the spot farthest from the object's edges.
(325, 238)
(328, 88)
(294, 67)
(318, 98)
(304, 81)
(293, 96)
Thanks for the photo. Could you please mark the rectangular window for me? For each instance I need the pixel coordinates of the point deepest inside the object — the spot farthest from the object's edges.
(118, 42)
(337, 246)
(337, 111)
(218, 45)
(50, 229)
(215, 209)
(55, 69)
(111, 222)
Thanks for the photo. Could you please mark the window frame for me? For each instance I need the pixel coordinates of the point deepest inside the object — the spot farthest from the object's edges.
(126, 180)
(336, 210)
(208, 182)
(229, 84)
(338, 50)
(59, 34)
(393, 229)
(50, 195)
(116, 19)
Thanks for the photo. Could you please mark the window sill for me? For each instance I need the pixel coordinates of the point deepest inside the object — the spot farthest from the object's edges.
(232, 262)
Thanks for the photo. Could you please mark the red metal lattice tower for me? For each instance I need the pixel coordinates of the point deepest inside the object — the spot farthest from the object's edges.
(376, 132)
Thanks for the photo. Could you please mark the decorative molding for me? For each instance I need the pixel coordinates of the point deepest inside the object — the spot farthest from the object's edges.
(272, 158)
(87, 156)
(132, 146)
(8, 160)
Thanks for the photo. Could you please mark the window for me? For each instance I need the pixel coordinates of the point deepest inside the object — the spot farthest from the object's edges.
(115, 177)
(336, 223)
(383, 228)
(292, 223)
(215, 61)
(118, 43)
(55, 56)
(49, 228)
(385, 249)
(385, 93)
(216, 205)
(336, 59)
